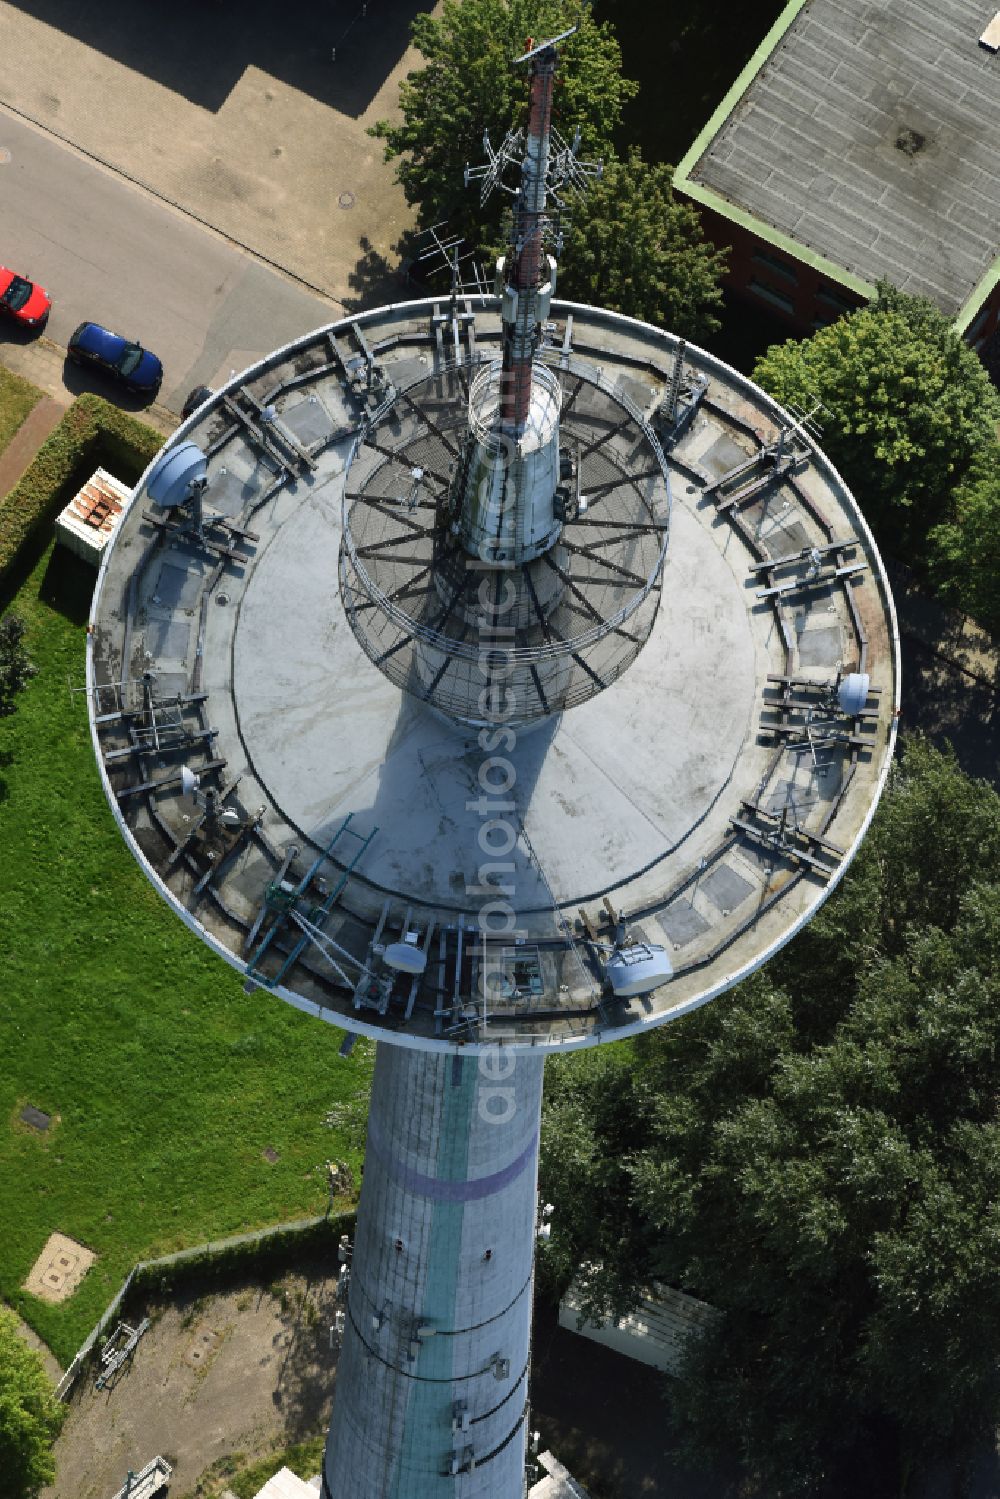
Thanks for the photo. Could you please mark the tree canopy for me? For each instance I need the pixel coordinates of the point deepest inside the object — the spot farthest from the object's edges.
(469, 85)
(15, 667)
(631, 246)
(908, 407)
(635, 248)
(818, 1155)
(963, 556)
(30, 1416)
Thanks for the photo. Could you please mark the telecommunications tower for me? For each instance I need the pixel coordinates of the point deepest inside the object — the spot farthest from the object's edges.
(406, 706)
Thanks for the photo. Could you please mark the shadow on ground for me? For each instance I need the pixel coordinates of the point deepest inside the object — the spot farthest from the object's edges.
(18, 334)
(201, 48)
(951, 708)
(68, 585)
(303, 1386)
(375, 281)
(79, 378)
(604, 1417)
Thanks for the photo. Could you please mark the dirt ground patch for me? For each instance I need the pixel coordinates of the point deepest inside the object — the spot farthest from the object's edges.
(252, 1370)
(242, 1372)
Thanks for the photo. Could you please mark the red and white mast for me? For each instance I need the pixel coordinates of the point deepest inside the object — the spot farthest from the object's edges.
(527, 265)
(506, 507)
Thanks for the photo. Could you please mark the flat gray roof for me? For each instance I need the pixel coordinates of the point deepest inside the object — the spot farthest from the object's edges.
(869, 136)
(707, 793)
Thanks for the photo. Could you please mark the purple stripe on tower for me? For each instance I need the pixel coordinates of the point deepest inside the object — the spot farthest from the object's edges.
(434, 1187)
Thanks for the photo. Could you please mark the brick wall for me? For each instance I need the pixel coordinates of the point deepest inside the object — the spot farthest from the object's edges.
(800, 296)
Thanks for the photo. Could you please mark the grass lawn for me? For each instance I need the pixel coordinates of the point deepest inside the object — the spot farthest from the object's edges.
(17, 398)
(165, 1080)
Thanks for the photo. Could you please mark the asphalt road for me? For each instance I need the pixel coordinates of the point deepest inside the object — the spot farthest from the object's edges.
(109, 252)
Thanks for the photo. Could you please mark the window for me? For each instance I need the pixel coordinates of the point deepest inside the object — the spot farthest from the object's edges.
(768, 294)
(835, 299)
(129, 360)
(979, 324)
(775, 263)
(16, 294)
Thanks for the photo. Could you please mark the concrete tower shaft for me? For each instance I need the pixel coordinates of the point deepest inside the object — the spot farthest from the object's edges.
(433, 1374)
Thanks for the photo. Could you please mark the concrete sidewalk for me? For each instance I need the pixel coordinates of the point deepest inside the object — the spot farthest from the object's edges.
(43, 363)
(51, 1364)
(28, 438)
(252, 128)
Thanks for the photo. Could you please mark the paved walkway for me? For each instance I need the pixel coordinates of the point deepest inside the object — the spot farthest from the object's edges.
(28, 438)
(52, 1366)
(44, 363)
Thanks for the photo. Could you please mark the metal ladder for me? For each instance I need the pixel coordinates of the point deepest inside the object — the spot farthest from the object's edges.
(283, 903)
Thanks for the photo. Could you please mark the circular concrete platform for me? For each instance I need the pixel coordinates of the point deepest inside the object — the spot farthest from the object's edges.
(602, 792)
(703, 804)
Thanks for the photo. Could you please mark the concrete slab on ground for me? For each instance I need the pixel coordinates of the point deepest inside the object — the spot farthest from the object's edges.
(59, 1268)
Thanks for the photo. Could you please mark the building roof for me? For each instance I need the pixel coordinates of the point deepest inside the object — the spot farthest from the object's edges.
(286, 1485)
(865, 139)
(557, 1483)
(654, 1333)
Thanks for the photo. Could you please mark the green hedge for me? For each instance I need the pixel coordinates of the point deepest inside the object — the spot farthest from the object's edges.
(91, 435)
(252, 1256)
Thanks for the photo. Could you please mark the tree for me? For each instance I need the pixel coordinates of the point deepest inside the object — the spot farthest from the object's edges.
(15, 667)
(30, 1416)
(908, 408)
(635, 248)
(818, 1155)
(964, 553)
(469, 84)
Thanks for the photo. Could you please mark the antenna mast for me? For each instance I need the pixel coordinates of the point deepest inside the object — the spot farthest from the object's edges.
(528, 292)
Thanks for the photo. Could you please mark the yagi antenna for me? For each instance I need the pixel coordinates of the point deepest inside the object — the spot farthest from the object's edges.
(510, 152)
(553, 41)
(448, 250)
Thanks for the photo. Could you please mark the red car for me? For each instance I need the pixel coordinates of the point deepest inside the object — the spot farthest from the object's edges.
(22, 300)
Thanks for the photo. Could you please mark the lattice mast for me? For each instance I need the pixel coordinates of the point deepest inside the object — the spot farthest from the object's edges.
(483, 468)
(506, 493)
(530, 272)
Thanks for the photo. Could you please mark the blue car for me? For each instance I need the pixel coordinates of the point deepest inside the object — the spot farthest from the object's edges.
(123, 360)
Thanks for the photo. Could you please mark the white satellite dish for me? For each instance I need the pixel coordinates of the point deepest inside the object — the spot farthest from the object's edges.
(852, 694)
(405, 957)
(173, 476)
(638, 969)
(189, 781)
